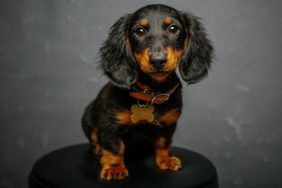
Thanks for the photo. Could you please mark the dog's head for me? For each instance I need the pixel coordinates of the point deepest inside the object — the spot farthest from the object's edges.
(155, 40)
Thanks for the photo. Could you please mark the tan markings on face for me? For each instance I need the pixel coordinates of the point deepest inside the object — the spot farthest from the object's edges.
(170, 117)
(173, 58)
(168, 20)
(161, 77)
(143, 22)
(142, 59)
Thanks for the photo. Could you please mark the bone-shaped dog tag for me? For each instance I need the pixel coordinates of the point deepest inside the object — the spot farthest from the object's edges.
(140, 113)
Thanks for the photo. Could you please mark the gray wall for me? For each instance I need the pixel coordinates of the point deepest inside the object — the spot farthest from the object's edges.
(47, 77)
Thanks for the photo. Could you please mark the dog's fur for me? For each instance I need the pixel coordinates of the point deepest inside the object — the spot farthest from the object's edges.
(145, 46)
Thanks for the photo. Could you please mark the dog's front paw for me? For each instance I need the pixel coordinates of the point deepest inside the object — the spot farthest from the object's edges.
(114, 173)
(169, 163)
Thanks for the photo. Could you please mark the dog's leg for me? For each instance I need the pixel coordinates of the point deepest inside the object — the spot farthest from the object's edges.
(164, 160)
(95, 146)
(112, 163)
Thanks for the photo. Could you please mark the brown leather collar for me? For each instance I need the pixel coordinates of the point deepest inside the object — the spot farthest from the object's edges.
(145, 93)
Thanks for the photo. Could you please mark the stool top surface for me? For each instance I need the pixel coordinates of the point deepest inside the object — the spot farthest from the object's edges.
(73, 167)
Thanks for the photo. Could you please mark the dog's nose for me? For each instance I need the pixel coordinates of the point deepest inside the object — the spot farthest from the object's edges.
(158, 61)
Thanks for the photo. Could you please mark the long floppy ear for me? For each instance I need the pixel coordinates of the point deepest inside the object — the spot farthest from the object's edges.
(117, 61)
(197, 58)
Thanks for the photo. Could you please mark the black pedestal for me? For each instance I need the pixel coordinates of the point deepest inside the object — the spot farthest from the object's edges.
(70, 167)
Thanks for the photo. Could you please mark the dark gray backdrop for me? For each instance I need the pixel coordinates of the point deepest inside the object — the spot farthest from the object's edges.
(47, 77)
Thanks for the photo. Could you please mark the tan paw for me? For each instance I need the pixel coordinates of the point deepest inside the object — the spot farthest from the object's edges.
(110, 173)
(169, 163)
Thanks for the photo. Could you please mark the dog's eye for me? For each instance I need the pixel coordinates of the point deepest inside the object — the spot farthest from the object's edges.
(140, 31)
(173, 29)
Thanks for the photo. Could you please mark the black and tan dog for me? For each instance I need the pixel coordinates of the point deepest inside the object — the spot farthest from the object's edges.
(142, 102)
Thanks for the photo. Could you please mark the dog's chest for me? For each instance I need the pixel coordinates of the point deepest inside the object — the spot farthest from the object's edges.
(154, 115)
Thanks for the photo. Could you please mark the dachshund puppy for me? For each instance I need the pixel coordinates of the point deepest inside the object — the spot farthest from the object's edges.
(141, 104)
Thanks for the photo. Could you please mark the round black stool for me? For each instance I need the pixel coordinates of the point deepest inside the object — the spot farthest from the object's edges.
(70, 167)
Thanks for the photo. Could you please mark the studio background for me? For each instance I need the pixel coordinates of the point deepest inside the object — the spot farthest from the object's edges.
(48, 75)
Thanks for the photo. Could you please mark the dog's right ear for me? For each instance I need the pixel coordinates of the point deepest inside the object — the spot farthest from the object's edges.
(117, 60)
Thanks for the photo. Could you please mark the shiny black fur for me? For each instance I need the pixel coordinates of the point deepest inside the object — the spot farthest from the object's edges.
(118, 63)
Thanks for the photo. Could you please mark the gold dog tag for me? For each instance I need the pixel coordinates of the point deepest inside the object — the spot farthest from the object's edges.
(142, 113)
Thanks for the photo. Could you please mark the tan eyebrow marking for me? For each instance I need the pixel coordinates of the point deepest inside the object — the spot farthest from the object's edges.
(168, 20)
(143, 22)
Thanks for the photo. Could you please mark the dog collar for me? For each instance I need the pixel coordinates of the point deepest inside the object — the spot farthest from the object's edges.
(145, 93)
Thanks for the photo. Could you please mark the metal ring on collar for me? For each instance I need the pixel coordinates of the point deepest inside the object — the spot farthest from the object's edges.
(142, 105)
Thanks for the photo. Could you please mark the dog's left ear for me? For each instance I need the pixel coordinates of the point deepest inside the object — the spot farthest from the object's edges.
(117, 60)
(198, 55)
